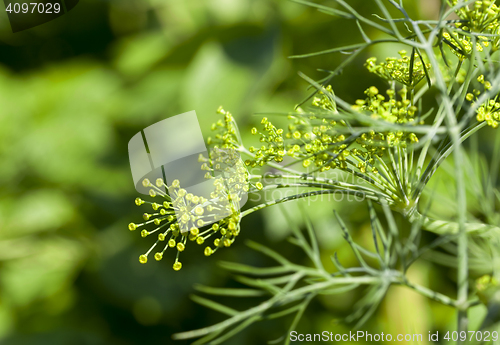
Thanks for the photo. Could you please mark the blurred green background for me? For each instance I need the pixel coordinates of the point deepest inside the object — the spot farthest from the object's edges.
(75, 90)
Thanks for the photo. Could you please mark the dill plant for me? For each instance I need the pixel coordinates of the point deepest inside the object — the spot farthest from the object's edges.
(389, 142)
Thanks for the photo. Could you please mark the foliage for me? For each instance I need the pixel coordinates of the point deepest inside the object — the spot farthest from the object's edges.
(74, 90)
(385, 143)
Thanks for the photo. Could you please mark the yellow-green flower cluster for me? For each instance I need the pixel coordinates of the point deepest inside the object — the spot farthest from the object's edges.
(227, 163)
(488, 111)
(390, 110)
(312, 140)
(480, 17)
(226, 132)
(326, 100)
(179, 216)
(272, 145)
(227, 138)
(319, 141)
(462, 45)
(398, 69)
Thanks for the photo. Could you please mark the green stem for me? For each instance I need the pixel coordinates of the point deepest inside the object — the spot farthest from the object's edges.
(436, 296)
(305, 195)
(444, 227)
